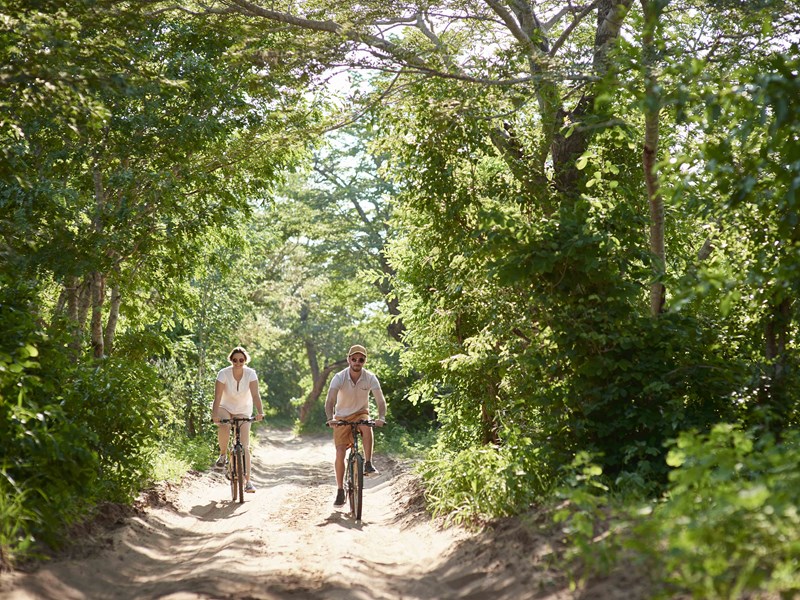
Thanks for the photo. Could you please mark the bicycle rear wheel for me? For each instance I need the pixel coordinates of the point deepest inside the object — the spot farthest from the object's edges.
(358, 484)
(240, 474)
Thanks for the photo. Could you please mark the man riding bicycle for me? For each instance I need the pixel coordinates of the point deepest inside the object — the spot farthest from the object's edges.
(348, 400)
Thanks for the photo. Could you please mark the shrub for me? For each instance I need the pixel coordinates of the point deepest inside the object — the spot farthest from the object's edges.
(118, 405)
(487, 482)
(730, 522)
(727, 526)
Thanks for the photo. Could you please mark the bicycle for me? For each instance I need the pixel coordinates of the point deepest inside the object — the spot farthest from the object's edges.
(234, 465)
(354, 475)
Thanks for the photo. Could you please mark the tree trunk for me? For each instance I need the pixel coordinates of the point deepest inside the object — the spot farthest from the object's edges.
(98, 279)
(311, 348)
(566, 150)
(652, 112)
(489, 426)
(97, 296)
(396, 327)
(316, 390)
(113, 318)
(78, 301)
(84, 302)
(71, 292)
(311, 353)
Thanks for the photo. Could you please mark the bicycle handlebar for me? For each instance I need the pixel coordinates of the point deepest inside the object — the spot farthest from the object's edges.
(236, 420)
(369, 423)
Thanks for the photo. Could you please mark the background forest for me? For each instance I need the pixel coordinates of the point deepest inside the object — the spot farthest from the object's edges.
(567, 232)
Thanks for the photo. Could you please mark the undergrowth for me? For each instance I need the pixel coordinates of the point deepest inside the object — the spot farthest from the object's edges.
(727, 527)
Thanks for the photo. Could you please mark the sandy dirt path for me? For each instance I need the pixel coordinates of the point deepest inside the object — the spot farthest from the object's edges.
(286, 541)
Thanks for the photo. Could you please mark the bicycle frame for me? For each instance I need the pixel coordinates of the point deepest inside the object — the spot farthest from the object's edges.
(354, 476)
(234, 468)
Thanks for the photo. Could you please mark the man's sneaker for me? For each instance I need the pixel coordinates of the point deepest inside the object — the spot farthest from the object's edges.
(221, 461)
(369, 469)
(249, 488)
(339, 498)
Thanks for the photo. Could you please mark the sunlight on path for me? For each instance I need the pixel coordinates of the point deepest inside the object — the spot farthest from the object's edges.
(285, 541)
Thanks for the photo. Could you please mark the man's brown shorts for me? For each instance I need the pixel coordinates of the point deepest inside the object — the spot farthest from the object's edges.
(343, 436)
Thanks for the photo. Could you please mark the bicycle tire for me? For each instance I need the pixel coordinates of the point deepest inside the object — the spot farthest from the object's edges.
(232, 475)
(240, 474)
(358, 484)
(349, 483)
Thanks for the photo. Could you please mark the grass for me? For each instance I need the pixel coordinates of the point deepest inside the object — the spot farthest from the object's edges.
(173, 461)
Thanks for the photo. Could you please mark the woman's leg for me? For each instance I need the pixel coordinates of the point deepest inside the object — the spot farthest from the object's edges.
(244, 432)
(223, 432)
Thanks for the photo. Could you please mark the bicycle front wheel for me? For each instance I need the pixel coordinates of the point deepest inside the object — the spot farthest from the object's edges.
(240, 475)
(358, 485)
(232, 474)
(349, 483)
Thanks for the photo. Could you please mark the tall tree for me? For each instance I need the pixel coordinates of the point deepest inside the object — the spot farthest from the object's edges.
(171, 141)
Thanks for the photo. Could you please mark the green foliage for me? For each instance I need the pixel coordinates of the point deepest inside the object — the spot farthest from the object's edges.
(178, 455)
(398, 440)
(38, 435)
(730, 521)
(761, 274)
(70, 434)
(16, 522)
(582, 514)
(120, 403)
(497, 233)
(477, 484)
(527, 308)
(726, 527)
(396, 385)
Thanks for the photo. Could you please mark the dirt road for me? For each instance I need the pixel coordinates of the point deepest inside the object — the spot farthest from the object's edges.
(287, 541)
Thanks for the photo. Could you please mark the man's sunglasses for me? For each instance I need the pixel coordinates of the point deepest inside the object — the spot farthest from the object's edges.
(357, 360)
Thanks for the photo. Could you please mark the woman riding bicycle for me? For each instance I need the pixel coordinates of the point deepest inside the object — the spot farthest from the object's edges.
(348, 400)
(235, 394)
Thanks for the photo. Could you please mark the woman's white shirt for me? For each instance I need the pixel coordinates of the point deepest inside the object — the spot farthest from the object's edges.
(236, 396)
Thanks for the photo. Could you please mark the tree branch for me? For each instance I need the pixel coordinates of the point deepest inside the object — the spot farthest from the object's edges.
(348, 33)
(568, 31)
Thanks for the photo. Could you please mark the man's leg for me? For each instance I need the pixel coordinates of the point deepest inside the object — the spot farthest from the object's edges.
(338, 467)
(366, 435)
